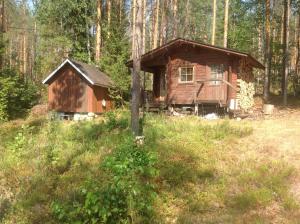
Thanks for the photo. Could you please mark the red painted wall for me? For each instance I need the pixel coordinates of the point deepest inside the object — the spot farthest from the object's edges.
(68, 91)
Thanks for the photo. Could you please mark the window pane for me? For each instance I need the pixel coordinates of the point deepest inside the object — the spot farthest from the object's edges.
(189, 71)
(183, 71)
(186, 74)
(189, 78)
(217, 72)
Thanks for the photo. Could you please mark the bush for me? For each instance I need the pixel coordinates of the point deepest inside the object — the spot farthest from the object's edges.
(16, 95)
(126, 196)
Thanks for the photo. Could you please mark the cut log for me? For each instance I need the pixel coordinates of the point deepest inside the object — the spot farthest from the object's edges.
(268, 109)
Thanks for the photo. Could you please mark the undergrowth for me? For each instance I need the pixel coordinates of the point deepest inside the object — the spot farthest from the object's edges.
(188, 171)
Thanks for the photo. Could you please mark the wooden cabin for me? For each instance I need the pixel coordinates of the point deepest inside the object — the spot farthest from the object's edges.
(76, 87)
(189, 73)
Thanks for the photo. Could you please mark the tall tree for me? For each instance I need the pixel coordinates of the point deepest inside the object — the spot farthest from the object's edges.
(156, 24)
(98, 31)
(213, 36)
(268, 55)
(285, 61)
(163, 23)
(133, 25)
(226, 22)
(137, 39)
(108, 17)
(175, 17)
(144, 24)
(2, 30)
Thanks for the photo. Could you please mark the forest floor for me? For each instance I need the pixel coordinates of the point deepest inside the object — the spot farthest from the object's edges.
(222, 171)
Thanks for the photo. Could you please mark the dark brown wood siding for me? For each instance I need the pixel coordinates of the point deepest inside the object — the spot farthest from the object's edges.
(68, 91)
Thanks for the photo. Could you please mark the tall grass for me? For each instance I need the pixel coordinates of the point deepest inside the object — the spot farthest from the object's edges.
(188, 171)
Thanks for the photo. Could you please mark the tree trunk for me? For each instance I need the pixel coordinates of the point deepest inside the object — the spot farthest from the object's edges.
(144, 25)
(163, 24)
(175, 9)
(285, 61)
(133, 25)
(267, 51)
(155, 34)
(2, 29)
(108, 17)
(135, 102)
(213, 36)
(120, 11)
(98, 31)
(298, 46)
(226, 22)
(187, 19)
(87, 33)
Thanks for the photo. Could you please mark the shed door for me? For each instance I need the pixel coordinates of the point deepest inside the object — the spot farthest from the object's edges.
(216, 90)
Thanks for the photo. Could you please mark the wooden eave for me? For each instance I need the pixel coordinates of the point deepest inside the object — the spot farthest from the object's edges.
(164, 50)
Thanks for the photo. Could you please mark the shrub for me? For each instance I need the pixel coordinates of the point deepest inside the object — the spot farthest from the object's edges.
(127, 195)
(16, 95)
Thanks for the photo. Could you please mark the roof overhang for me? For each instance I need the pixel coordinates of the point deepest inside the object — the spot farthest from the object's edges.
(179, 42)
(74, 66)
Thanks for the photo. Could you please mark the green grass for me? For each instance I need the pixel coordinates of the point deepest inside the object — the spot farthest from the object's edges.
(202, 177)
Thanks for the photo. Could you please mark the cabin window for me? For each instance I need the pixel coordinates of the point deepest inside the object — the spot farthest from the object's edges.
(217, 73)
(186, 74)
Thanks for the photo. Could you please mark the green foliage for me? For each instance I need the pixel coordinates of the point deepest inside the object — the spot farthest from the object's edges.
(188, 170)
(20, 140)
(113, 61)
(128, 195)
(114, 122)
(16, 95)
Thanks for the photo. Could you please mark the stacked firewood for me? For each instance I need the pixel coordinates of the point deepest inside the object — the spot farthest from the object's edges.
(245, 95)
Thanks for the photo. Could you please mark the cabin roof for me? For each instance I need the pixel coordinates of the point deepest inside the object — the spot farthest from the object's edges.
(181, 42)
(90, 72)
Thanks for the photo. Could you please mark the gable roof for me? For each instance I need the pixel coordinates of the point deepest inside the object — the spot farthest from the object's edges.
(89, 72)
(180, 41)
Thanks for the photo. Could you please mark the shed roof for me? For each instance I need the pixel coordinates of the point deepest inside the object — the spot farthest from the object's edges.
(90, 72)
(181, 42)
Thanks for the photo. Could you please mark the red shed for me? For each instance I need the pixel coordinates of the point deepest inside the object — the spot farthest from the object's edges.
(76, 87)
(187, 72)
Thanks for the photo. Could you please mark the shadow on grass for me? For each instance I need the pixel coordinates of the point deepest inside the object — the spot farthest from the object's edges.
(190, 180)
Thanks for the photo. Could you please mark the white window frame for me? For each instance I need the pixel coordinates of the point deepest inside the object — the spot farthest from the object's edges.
(193, 74)
(217, 83)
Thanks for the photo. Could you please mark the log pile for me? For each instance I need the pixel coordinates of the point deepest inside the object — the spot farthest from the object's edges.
(245, 95)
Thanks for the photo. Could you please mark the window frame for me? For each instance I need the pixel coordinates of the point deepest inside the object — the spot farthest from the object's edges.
(180, 70)
(217, 83)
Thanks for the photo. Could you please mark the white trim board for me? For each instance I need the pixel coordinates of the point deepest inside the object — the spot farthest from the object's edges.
(74, 66)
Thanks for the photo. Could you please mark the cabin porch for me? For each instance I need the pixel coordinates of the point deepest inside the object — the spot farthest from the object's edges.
(155, 96)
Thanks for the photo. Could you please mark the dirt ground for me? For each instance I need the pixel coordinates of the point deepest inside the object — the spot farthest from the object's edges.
(278, 137)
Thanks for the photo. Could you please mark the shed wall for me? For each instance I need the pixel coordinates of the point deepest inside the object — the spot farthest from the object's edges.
(68, 91)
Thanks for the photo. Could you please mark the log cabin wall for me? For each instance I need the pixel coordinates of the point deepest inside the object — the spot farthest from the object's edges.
(200, 60)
